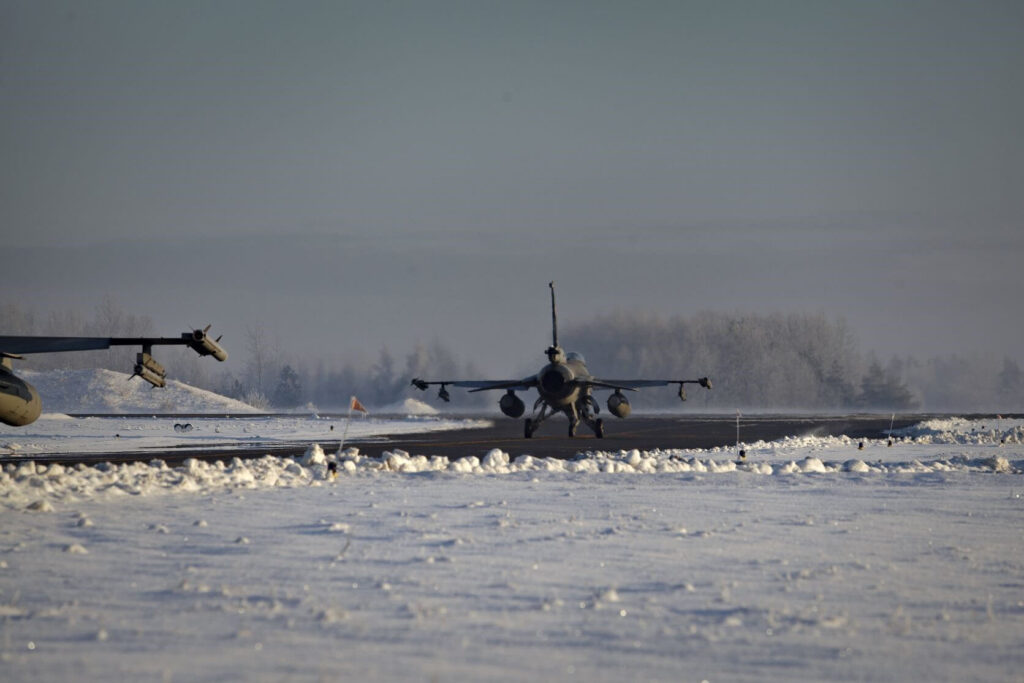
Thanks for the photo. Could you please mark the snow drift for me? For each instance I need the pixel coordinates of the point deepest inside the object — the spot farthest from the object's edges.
(25, 483)
(107, 391)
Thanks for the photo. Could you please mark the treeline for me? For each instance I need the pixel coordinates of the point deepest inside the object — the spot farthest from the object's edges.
(794, 361)
(760, 361)
(765, 362)
(269, 379)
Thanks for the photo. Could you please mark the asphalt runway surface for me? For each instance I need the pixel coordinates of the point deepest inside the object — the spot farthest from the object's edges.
(551, 440)
(643, 433)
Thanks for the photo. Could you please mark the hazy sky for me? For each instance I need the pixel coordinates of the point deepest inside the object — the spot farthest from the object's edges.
(355, 173)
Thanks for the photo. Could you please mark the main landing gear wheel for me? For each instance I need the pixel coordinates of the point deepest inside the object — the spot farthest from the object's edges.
(599, 428)
(528, 428)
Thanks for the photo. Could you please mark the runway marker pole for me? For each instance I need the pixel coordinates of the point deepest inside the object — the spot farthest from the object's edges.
(353, 404)
(741, 452)
(344, 433)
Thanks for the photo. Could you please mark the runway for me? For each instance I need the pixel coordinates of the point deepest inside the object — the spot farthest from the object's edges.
(643, 433)
(640, 432)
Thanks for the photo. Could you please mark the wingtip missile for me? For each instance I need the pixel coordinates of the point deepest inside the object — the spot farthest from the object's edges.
(199, 342)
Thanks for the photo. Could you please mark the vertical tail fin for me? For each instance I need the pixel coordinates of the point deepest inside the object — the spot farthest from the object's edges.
(554, 316)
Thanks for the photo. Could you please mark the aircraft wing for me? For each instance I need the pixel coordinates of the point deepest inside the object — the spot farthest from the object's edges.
(197, 340)
(517, 384)
(475, 385)
(52, 344)
(637, 384)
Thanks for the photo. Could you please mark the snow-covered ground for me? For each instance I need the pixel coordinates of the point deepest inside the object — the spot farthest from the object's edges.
(57, 433)
(812, 559)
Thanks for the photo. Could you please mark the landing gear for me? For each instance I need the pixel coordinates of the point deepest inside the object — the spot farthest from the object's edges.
(540, 413)
(587, 408)
(576, 413)
(573, 416)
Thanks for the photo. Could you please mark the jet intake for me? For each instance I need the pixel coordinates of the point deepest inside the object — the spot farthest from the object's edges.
(618, 405)
(555, 379)
(512, 405)
(203, 345)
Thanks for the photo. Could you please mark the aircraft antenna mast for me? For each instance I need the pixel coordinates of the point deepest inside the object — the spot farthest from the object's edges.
(554, 316)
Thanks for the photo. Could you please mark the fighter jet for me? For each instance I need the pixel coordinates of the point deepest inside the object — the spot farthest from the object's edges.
(564, 385)
(19, 401)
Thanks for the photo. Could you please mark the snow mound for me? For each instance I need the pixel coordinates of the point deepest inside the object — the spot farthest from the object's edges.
(959, 430)
(107, 391)
(28, 484)
(409, 406)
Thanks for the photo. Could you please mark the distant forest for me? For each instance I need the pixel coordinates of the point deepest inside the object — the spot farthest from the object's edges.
(756, 362)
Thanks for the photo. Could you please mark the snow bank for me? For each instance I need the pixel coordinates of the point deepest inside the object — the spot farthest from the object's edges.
(958, 430)
(409, 406)
(27, 485)
(107, 391)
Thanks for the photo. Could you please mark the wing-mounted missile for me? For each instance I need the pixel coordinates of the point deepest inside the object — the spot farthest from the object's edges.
(149, 370)
(155, 380)
(703, 381)
(442, 392)
(200, 342)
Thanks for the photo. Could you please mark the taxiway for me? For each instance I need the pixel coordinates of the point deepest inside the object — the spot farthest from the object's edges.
(641, 432)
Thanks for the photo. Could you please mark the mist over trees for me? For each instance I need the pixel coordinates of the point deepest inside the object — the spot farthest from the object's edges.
(792, 361)
(760, 361)
(763, 361)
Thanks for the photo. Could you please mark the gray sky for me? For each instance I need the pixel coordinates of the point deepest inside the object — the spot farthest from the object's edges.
(355, 173)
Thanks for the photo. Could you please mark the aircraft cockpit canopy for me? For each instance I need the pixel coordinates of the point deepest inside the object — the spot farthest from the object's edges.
(575, 356)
